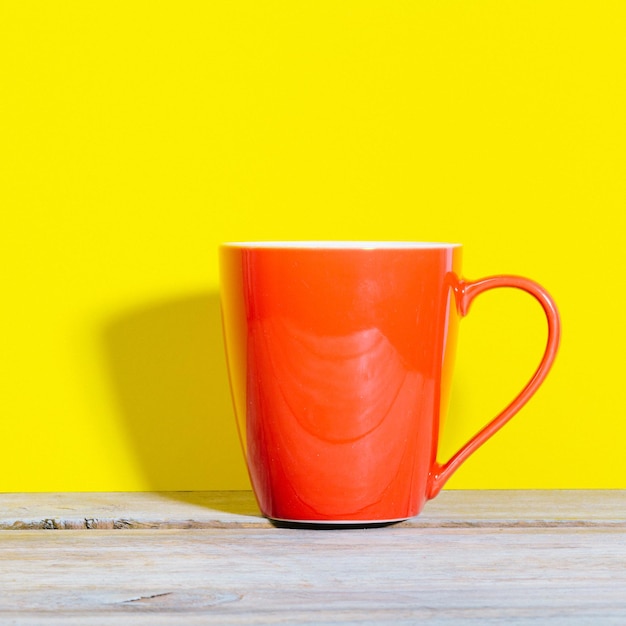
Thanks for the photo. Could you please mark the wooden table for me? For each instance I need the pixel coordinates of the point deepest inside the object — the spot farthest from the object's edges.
(488, 557)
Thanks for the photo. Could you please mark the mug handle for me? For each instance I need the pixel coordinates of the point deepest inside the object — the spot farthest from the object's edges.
(465, 292)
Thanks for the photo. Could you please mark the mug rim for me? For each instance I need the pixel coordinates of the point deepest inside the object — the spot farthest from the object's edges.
(331, 244)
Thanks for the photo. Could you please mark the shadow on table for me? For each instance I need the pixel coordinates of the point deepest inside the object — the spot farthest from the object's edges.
(168, 372)
(235, 502)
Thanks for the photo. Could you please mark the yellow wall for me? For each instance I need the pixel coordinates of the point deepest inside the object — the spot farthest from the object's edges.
(135, 136)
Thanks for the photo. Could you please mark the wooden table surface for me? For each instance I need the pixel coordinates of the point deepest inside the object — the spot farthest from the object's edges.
(485, 557)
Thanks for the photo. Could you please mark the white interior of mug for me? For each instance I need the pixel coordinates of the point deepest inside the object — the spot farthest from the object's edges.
(354, 245)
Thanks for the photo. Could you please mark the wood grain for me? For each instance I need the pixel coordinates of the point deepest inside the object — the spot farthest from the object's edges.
(180, 510)
(474, 558)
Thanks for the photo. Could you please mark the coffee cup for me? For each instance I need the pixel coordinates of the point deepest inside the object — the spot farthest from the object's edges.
(340, 357)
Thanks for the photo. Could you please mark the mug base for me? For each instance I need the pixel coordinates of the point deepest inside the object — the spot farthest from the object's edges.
(333, 524)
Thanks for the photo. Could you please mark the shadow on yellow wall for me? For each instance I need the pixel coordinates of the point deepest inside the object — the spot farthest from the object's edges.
(167, 367)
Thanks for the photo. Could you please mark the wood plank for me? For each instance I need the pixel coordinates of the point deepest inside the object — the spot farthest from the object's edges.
(399, 575)
(553, 557)
(124, 510)
(237, 509)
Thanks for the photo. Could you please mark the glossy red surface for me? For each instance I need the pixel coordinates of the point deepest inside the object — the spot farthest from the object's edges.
(340, 363)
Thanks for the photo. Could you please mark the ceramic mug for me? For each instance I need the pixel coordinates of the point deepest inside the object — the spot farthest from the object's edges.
(340, 359)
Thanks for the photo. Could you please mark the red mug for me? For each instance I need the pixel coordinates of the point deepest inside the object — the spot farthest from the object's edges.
(340, 359)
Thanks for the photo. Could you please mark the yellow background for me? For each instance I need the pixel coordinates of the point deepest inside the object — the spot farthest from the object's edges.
(135, 136)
